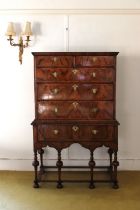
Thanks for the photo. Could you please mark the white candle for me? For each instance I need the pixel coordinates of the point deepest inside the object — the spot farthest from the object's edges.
(10, 30)
(27, 31)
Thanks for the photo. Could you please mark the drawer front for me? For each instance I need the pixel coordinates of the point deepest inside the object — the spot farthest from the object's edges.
(75, 132)
(99, 110)
(54, 61)
(54, 132)
(74, 91)
(75, 74)
(94, 61)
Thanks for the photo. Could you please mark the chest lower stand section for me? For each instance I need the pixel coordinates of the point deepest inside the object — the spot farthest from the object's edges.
(75, 103)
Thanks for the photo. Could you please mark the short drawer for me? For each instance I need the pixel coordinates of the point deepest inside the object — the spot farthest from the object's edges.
(75, 132)
(54, 61)
(99, 75)
(89, 61)
(75, 91)
(98, 110)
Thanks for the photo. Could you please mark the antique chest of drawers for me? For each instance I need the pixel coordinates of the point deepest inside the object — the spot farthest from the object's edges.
(75, 103)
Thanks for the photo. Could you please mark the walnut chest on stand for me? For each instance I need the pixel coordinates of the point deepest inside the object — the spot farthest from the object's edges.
(75, 102)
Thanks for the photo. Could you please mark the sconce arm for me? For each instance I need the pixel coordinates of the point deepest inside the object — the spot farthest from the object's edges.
(12, 43)
(27, 42)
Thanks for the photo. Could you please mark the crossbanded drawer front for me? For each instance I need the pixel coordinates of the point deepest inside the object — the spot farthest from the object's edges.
(54, 132)
(98, 110)
(75, 132)
(95, 61)
(101, 75)
(74, 91)
(54, 61)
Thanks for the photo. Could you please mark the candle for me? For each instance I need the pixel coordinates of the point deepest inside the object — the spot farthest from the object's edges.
(10, 30)
(27, 31)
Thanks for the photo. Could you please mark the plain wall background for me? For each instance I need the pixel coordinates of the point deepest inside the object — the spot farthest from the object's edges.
(103, 25)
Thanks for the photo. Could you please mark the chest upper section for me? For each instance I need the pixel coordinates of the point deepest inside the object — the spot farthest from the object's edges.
(72, 67)
(75, 85)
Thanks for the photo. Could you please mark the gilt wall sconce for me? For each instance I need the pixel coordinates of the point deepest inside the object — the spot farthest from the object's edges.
(21, 43)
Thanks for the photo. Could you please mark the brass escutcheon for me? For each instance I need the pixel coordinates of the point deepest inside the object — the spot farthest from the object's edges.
(94, 59)
(55, 109)
(74, 71)
(94, 132)
(75, 87)
(54, 59)
(54, 74)
(95, 109)
(75, 104)
(94, 90)
(55, 132)
(94, 74)
(55, 91)
(75, 128)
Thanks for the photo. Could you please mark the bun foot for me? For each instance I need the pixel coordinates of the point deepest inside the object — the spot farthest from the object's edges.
(115, 185)
(59, 185)
(35, 185)
(91, 186)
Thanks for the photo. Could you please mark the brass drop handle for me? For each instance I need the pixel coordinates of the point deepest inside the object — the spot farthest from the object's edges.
(95, 110)
(55, 109)
(94, 90)
(54, 74)
(74, 71)
(54, 59)
(93, 74)
(55, 91)
(75, 87)
(55, 132)
(94, 59)
(75, 128)
(94, 131)
(75, 104)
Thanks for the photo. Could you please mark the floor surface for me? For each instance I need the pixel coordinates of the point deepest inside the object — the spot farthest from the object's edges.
(16, 193)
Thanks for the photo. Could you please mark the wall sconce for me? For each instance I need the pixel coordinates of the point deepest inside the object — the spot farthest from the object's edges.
(27, 32)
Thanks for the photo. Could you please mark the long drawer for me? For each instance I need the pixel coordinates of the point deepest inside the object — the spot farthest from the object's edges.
(74, 91)
(101, 75)
(101, 110)
(73, 132)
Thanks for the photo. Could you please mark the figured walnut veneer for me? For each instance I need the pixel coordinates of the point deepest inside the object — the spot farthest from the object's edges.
(75, 102)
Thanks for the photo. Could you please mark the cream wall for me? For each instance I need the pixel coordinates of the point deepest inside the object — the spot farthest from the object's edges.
(92, 26)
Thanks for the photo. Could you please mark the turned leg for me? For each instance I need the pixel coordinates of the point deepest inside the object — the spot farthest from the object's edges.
(35, 164)
(91, 165)
(115, 164)
(59, 165)
(110, 152)
(41, 152)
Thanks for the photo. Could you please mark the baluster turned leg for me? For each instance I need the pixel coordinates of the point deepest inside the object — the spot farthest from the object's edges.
(59, 165)
(110, 152)
(35, 164)
(91, 165)
(115, 164)
(41, 152)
